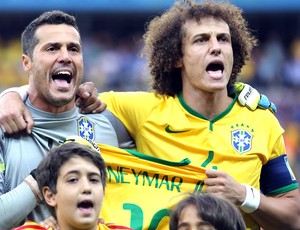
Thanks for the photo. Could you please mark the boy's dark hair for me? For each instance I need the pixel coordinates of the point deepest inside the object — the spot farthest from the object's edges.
(55, 17)
(165, 35)
(219, 212)
(49, 168)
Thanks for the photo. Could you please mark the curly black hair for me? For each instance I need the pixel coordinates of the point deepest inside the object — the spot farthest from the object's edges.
(165, 34)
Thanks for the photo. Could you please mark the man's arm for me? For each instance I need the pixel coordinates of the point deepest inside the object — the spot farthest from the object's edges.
(88, 100)
(14, 116)
(15, 205)
(279, 212)
(270, 212)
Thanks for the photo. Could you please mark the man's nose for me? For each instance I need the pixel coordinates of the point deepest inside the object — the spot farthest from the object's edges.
(215, 46)
(65, 56)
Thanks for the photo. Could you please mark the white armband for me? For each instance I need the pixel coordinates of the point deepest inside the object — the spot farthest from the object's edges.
(22, 91)
(252, 199)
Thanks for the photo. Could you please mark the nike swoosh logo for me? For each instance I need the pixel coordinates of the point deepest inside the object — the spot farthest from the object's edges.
(168, 130)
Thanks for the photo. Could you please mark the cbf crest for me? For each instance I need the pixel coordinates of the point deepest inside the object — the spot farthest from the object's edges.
(86, 128)
(241, 140)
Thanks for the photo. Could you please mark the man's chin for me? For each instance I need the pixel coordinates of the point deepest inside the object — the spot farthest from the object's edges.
(59, 102)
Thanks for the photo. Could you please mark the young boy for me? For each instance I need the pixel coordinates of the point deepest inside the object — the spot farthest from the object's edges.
(72, 179)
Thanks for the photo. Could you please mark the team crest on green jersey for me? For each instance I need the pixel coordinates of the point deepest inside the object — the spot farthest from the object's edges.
(86, 128)
(241, 140)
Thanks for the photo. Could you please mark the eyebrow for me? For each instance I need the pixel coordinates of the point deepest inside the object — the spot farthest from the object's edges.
(78, 172)
(74, 44)
(183, 224)
(58, 44)
(208, 34)
(200, 223)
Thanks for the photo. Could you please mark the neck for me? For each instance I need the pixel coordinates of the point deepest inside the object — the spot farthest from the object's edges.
(207, 104)
(54, 106)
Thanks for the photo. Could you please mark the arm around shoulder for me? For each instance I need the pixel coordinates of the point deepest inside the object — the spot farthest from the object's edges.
(14, 116)
(22, 91)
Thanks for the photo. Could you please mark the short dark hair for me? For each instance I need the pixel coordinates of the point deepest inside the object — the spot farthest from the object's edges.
(48, 170)
(165, 35)
(219, 212)
(55, 17)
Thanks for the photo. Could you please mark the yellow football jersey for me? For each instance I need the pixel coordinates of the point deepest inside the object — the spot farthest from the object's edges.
(237, 141)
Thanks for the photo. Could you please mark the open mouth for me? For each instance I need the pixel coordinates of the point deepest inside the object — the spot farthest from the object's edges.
(62, 78)
(215, 66)
(215, 69)
(85, 205)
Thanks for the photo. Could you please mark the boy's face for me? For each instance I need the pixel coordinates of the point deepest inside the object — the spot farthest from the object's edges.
(190, 220)
(79, 196)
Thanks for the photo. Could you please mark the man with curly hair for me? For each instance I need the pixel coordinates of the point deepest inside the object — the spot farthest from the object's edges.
(193, 130)
(195, 52)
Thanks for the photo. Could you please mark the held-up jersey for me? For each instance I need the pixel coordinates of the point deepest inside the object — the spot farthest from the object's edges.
(141, 189)
(248, 145)
(21, 153)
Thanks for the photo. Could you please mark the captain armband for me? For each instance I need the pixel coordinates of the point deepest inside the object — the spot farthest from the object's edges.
(252, 199)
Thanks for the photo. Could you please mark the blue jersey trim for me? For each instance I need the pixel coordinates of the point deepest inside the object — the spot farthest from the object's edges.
(277, 177)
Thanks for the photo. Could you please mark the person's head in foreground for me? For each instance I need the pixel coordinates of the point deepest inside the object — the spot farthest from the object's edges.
(72, 178)
(206, 212)
(193, 45)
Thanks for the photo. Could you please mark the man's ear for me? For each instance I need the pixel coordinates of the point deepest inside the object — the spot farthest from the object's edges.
(49, 196)
(26, 60)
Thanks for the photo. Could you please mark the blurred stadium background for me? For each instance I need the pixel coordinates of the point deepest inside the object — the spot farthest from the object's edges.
(112, 29)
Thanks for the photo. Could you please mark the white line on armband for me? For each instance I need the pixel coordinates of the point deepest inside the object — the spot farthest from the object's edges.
(252, 200)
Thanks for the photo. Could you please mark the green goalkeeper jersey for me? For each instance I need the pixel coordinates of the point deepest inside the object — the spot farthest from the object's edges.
(248, 145)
